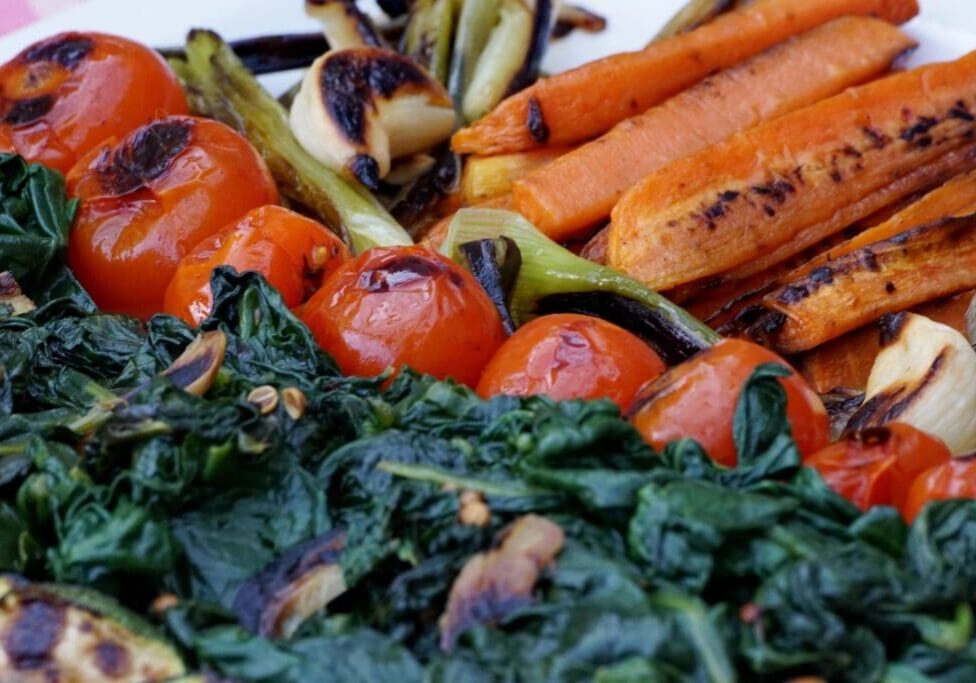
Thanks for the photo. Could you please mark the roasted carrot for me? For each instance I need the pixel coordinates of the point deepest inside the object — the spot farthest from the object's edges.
(489, 177)
(580, 188)
(957, 197)
(940, 170)
(916, 266)
(584, 102)
(846, 361)
(790, 182)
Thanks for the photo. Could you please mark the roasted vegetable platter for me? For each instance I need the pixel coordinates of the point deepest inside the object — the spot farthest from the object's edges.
(386, 348)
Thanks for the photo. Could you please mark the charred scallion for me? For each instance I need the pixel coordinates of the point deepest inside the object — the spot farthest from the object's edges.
(220, 86)
(509, 59)
(429, 35)
(552, 277)
(694, 14)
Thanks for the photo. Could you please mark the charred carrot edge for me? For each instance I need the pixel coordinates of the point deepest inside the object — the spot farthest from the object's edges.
(941, 170)
(915, 266)
(957, 197)
(790, 182)
(724, 301)
(579, 189)
(846, 361)
(584, 102)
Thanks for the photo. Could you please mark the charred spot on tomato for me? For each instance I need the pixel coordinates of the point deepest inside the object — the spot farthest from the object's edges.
(111, 658)
(32, 638)
(404, 270)
(22, 112)
(349, 80)
(143, 156)
(538, 128)
(68, 50)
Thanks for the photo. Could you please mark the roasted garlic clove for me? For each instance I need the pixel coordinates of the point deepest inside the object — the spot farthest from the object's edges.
(360, 108)
(344, 24)
(924, 376)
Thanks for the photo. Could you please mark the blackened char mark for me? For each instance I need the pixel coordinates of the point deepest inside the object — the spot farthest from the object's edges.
(67, 49)
(538, 128)
(776, 190)
(877, 138)
(22, 112)
(888, 406)
(30, 641)
(144, 155)
(961, 112)
(404, 270)
(890, 326)
(922, 126)
(351, 80)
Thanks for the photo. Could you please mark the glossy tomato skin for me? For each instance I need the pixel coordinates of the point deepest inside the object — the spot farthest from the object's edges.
(877, 466)
(697, 399)
(62, 96)
(148, 200)
(292, 252)
(567, 356)
(396, 306)
(953, 479)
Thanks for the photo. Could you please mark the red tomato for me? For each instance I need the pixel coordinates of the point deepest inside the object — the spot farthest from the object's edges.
(953, 479)
(150, 199)
(571, 356)
(877, 466)
(61, 97)
(405, 306)
(292, 252)
(697, 399)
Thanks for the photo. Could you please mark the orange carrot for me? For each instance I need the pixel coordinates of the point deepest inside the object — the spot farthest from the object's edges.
(847, 361)
(789, 183)
(489, 177)
(580, 188)
(915, 266)
(957, 197)
(589, 100)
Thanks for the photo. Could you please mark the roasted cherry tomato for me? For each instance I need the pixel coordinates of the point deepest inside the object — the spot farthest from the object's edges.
(61, 97)
(571, 356)
(877, 466)
(397, 306)
(292, 252)
(150, 199)
(697, 399)
(953, 479)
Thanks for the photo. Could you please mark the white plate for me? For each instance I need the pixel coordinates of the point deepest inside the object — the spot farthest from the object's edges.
(945, 28)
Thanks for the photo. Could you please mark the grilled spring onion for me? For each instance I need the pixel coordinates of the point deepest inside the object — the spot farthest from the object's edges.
(552, 278)
(221, 87)
(429, 34)
(924, 376)
(499, 48)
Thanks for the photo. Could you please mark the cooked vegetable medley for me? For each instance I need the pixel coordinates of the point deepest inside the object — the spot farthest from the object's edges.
(252, 430)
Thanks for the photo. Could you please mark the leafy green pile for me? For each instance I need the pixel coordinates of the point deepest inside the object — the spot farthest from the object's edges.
(673, 569)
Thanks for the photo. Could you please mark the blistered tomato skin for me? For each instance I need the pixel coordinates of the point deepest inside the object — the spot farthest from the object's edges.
(877, 466)
(148, 200)
(567, 356)
(953, 479)
(697, 399)
(396, 306)
(292, 252)
(61, 97)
